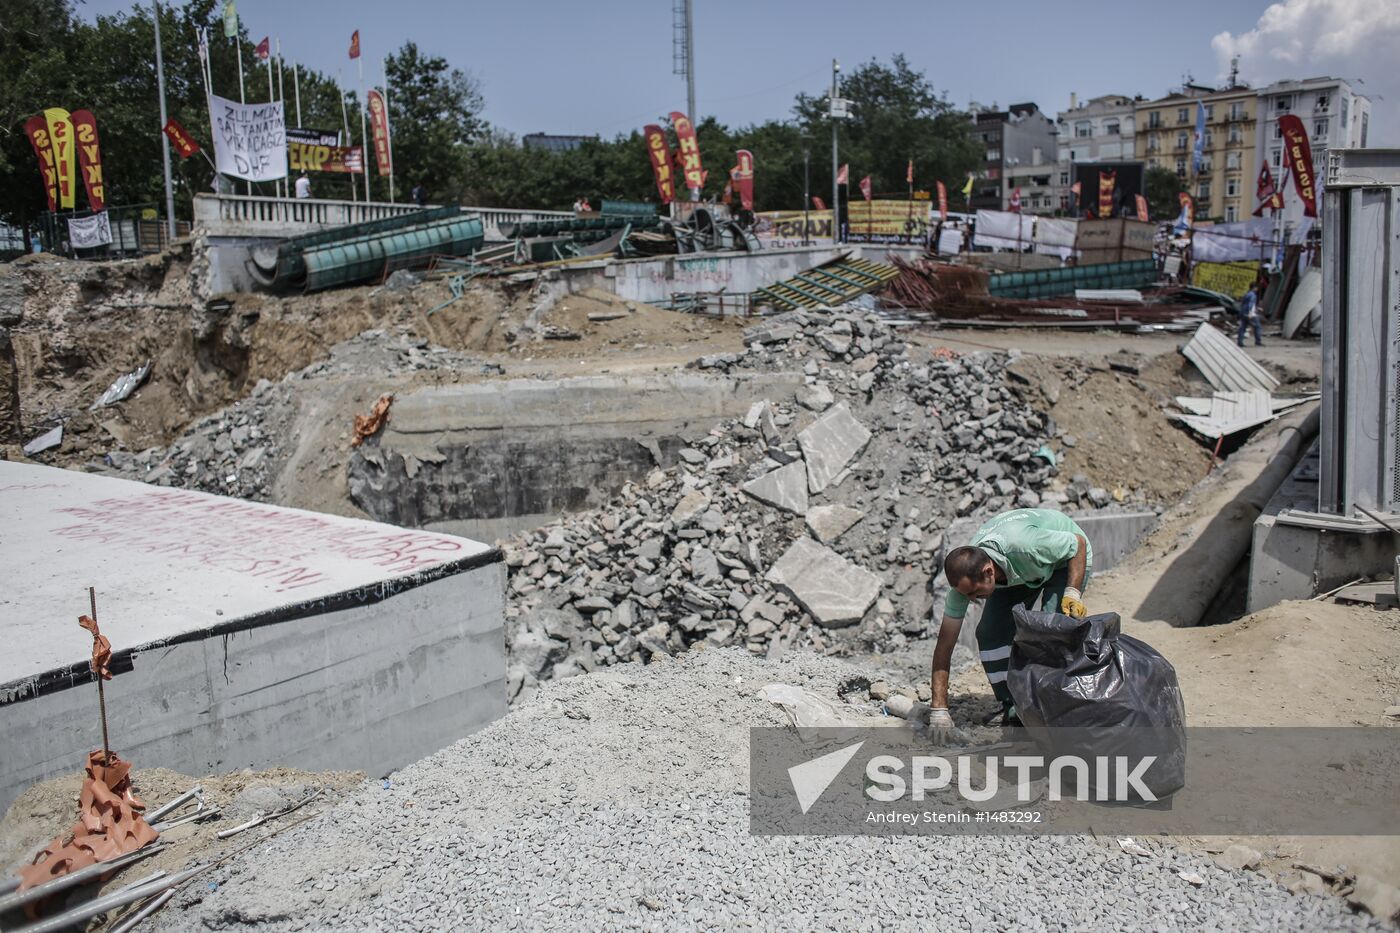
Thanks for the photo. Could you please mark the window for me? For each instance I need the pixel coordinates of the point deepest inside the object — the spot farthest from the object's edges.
(1323, 102)
(1283, 103)
(1210, 111)
(1232, 188)
(1083, 129)
(1278, 131)
(1232, 160)
(1181, 140)
(1111, 128)
(1180, 168)
(1209, 139)
(1153, 143)
(1277, 158)
(1203, 191)
(1232, 214)
(993, 155)
(1344, 114)
(1064, 178)
(1154, 120)
(1235, 135)
(1319, 127)
(1237, 111)
(1183, 115)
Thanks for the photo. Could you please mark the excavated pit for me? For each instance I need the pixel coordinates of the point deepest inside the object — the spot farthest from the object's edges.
(489, 460)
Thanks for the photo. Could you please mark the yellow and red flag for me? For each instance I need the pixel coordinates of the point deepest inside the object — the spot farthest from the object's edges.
(379, 127)
(184, 143)
(688, 148)
(742, 178)
(37, 129)
(1106, 182)
(1298, 154)
(61, 142)
(942, 201)
(90, 158)
(659, 152)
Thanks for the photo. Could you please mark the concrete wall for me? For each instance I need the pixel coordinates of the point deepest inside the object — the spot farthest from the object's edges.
(492, 459)
(242, 633)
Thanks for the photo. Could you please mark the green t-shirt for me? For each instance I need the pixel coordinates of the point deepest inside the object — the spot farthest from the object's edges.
(1028, 545)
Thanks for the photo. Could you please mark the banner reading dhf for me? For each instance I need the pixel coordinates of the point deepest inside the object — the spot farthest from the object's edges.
(1299, 158)
(659, 152)
(379, 122)
(250, 140)
(90, 158)
(689, 149)
(37, 128)
(61, 143)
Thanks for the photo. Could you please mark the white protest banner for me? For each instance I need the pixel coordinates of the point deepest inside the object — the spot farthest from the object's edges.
(89, 232)
(250, 140)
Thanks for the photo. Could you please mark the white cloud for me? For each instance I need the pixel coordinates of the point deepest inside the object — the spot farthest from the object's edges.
(1352, 39)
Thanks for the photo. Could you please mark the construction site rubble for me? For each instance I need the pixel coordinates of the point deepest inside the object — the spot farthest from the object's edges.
(815, 522)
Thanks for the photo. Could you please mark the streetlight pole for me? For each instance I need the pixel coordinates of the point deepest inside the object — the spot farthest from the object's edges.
(806, 187)
(164, 140)
(835, 163)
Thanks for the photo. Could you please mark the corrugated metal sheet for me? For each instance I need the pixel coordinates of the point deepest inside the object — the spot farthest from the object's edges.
(1227, 413)
(832, 284)
(1225, 366)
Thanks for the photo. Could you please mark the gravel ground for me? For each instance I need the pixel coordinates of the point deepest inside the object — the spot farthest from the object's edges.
(618, 800)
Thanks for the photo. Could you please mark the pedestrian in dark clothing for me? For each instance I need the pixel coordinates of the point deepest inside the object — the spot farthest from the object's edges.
(1249, 316)
(419, 195)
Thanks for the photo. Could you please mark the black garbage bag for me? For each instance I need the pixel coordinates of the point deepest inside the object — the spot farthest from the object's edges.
(1083, 687)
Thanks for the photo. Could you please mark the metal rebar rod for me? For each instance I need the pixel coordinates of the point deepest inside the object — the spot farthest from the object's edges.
(169, 805)
(101, 695)
(150, 907)
(196, 817)
(100, 905)
(63, 882)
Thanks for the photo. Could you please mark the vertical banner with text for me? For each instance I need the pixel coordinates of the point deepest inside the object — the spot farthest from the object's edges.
(90, 158)
(37, 129)
(743, 178)
(1106, 182)
(64, 163)
(1298, 155)
(379, 124)
(659, 152)
(689, 149)
(942, 201)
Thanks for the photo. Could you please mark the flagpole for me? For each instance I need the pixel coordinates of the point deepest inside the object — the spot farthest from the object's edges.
(164, 140)
(242, 99)
(389, 129)
(364, 136)
(349, 140)
(296, 89)
(277, 185)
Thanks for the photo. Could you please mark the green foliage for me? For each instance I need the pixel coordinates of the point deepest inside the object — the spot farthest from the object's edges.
(49, 57)
(1162, 189)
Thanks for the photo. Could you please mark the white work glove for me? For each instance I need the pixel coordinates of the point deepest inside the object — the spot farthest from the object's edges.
(940, 726)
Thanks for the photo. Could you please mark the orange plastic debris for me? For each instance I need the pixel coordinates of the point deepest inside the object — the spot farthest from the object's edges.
(101, 649)
(109, 822)
(944, 353)
(369, 425)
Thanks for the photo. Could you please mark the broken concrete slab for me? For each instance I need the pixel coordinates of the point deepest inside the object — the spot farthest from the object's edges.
(816, 397)
(829, 443)
(829, 522)
(835, 591)
(691, 505)
(784, 488)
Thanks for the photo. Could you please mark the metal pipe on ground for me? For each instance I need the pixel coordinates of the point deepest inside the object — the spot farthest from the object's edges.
(82, 875)
(133, 892)
(1187, 588)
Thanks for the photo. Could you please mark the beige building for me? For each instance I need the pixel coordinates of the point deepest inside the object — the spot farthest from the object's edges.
(1224, 188)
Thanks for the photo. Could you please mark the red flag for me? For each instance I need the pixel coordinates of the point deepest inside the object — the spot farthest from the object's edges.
(818, 203)
(1298, 154)
(866, 188)
(1265, 186)
(184, 143)
(742, 178)
(1016, 200)
(843, 175)
(1141, 208)
(379, 129)
(38, 130)
(1106, 182)
(659, 151)
(263, 50)
(942, 201)
(1076, 187)
(688, 150)
(90, 158)
(909, 172)
(355, 44)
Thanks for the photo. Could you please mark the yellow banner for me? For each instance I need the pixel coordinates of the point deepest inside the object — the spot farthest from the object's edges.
(64, 153)
(777, 229)
(885, 221)
(1228, 278)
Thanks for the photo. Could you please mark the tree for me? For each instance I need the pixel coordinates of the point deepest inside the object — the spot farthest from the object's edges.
(435, 110)
(1162, 188)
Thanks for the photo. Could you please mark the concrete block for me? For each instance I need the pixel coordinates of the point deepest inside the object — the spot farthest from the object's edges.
(243, 634)
(784, 488)
(830, 443)
(835, 591)
(829, 522)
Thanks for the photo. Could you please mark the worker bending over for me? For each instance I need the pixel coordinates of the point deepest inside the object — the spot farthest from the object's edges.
(1018, 557)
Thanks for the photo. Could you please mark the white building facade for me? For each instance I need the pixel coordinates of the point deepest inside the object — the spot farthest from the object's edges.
(1333, 113)
(1100, 130)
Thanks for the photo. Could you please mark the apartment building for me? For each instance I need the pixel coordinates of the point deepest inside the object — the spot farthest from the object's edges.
(1019, 146)
(1102, 129)
(1165, 138)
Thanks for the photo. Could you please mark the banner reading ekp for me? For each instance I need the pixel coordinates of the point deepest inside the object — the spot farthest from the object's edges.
(250, 140)
(895, 221)
(779, 229)
(321, 151)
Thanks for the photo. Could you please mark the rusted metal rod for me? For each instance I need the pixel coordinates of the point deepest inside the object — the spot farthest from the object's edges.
(101, 694)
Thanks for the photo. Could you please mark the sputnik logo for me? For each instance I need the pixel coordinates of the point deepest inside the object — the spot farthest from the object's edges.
(811, 779)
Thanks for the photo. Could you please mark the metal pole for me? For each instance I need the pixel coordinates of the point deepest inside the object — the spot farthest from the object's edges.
(296, 88)
(835, 167)
(364, 138)
(101, 696)
(806, 192)
(238, 41)
(690, 61)
(164, 151)
(389, 128)
(271, 95)
(349, 140)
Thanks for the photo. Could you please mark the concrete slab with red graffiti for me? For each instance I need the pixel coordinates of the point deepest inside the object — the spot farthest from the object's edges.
(242, 633)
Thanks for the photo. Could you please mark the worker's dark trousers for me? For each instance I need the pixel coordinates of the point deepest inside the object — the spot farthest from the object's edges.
(996, 630)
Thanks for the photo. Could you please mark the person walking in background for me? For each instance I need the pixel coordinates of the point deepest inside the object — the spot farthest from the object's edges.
(303, 186)
(1249, 316)
(419, 195)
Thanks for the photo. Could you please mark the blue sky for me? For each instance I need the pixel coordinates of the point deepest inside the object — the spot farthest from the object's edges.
(605, 67)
